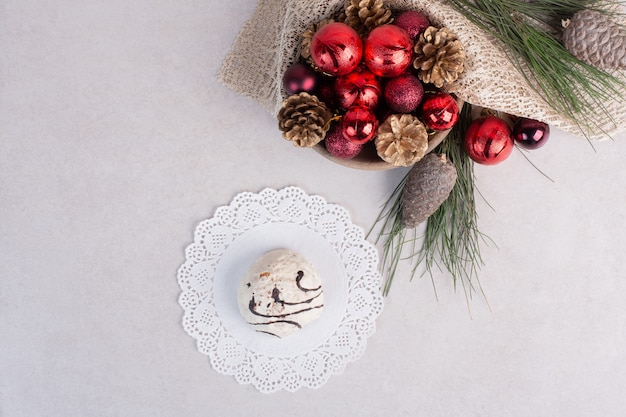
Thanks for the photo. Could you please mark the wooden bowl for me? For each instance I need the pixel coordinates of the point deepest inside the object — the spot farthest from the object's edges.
(369, 160)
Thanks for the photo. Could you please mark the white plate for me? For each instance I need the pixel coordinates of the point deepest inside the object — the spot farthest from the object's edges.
(236, 260)
(226, 245)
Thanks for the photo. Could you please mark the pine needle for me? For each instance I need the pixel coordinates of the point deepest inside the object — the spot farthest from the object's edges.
(451, 240)
(528, 32)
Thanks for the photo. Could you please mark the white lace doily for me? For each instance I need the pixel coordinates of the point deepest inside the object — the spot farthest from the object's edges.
(228, 243)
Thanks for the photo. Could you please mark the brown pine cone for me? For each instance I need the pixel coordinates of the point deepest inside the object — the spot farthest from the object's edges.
(595, 39)
(427, 186)
(402, 140)
(304, 119)
(307, 36)
(365, 15)
(439, 56)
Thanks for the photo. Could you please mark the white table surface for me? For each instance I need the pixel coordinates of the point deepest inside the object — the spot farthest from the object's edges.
(116, 140)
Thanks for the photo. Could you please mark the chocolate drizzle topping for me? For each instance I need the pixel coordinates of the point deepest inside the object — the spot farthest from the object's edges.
(276, 296)
(285, 318)
(252, 306)
(299, 277)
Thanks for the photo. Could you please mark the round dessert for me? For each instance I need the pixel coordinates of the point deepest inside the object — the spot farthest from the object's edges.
(281, 293)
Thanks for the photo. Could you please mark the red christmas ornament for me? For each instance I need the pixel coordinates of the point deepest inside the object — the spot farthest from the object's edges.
(359, 124)
(388, 51)
(361, 88)
(439, 111)
(413, 22)
(488, 140)
(336, 49)
(404, 93)
(299, 78)
(530, 134)
(338, 146)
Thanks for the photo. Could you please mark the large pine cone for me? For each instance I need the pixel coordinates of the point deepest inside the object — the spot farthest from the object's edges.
(365, 15)
(402, 140)
(594, 38)
(304, 119)
(427, 186)
(439, 56)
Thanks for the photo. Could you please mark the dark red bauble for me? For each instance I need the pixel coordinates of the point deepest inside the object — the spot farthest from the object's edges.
(299, 78)
(325, 91)
(383, 111)
(359, 88)
(488, 140)
(440, 111)
(336, 49)
(359, 124)
(338, 146)
(388, 51)
(413, 22)
(530, 133)
(404, 93)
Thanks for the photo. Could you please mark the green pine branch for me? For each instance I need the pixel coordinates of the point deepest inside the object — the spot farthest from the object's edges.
(451, 240)
(528, 32)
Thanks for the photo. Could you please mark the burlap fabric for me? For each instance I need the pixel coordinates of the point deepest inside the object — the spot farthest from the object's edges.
(269, 42)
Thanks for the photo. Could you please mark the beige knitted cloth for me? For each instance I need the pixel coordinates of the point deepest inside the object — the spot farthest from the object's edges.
(269, 42)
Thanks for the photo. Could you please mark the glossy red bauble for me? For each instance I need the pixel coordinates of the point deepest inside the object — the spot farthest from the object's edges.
(388, 51)
(439, 111)
(359, 124)
(413, 22)
(299, 78)
(404, 93)
(337, 145)
(359, 88)
(530, 133)
(488, 140)
(336, 49)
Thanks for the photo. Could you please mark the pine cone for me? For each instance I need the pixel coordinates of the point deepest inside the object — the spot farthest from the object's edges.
(427, 186)
(307, 36)
(304, 119)
(365, 15)
(402, 140)
(439, 56)
(594, 38)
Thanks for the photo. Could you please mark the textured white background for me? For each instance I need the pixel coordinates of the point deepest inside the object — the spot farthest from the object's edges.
(116, 140)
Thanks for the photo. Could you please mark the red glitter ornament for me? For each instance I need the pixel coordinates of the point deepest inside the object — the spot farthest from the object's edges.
(439, 111)
(361, 88)
(403, 94)
(488, 140)
(299, 78)
(359, 124)
(388, 51)
(338, 146)
(413, 22)
(336, 49)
